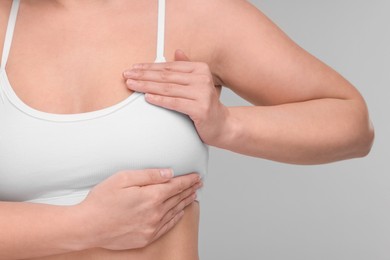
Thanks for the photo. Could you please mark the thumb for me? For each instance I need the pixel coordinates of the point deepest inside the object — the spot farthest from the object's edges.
(181, 56)
(144, 177)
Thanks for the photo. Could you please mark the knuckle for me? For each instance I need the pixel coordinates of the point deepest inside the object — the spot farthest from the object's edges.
(164, 75)
(192, 197)
(184, 194)
(154, 219)
(169, 215)
(180, 199)
(143, 243)
(143, 194)
(123, 177)
(152, 177)
(167, 89)
(149, 229)
(181, 186)
(174, 103)
(191, 190)
(145, 240)
(204, 79)
(206, 109)
(138, 72)
(168, 67)
(204, 66)
(163, 230)
(181, 205)
(139, 66)
(175, 219)
(156, 197)
(188, 200)
(207, 79)
(173, 211)
(194, 177)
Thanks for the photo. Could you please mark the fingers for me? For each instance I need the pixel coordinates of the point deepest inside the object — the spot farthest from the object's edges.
(182, 105)
(143, 177)
(178, 208)
(174, 186)
(173, 215)
(171, 223)
(180, 66)
(165, 89)
(159, 76)
(177, 199)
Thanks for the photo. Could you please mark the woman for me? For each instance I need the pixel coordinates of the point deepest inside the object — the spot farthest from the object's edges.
(304, 112)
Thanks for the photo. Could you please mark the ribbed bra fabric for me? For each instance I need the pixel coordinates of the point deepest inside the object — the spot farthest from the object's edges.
(57, 158)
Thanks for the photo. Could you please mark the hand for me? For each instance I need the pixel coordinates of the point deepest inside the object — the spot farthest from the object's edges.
(186, 87)
(131, 209)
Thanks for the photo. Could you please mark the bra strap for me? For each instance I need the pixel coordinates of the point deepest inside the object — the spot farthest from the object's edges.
(161, 31)
(9, 32)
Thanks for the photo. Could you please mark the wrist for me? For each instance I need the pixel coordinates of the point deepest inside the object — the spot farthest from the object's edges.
(83, 236)
(230, 131)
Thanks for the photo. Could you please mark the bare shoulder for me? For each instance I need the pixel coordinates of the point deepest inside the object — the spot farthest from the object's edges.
(5, 6)
(206, 22)
(211, 9)
(211, 17)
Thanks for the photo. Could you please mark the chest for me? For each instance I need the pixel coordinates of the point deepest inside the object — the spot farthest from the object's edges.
(59, 161)
(73, 63)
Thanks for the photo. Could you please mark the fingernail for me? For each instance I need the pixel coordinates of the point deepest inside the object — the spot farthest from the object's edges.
(166, 173)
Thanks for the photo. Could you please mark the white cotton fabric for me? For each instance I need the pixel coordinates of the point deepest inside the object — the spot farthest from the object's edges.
(57, 158)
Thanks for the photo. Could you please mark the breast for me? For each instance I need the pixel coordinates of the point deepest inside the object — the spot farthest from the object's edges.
(59, 162)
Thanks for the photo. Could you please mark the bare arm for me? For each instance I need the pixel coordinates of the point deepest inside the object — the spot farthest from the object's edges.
(32, 230)
(304, 113)
(145, 205)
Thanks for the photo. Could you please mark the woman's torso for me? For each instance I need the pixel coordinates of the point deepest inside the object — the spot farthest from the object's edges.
(81, 69)
(179, 243)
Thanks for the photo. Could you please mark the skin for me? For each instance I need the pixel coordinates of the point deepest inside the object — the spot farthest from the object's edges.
(308, 114)
(303, 111)
(130, 209)
(81, 90)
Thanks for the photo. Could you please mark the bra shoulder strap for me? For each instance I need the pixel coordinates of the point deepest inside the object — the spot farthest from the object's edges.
(161, 31)
(9, 32)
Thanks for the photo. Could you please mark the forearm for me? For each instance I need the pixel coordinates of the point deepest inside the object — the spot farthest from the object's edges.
(311, 132)
(34, 230)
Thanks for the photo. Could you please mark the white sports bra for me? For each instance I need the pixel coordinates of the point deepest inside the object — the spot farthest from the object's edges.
(57, 158)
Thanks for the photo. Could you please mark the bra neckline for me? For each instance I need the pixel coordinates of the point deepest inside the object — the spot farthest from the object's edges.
(18, 103)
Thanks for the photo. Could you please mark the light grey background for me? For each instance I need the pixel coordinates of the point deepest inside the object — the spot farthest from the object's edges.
(258, 209)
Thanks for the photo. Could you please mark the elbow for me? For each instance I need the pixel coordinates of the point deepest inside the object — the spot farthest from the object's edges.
(364, 133)
(366, 140)
(357, 134)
